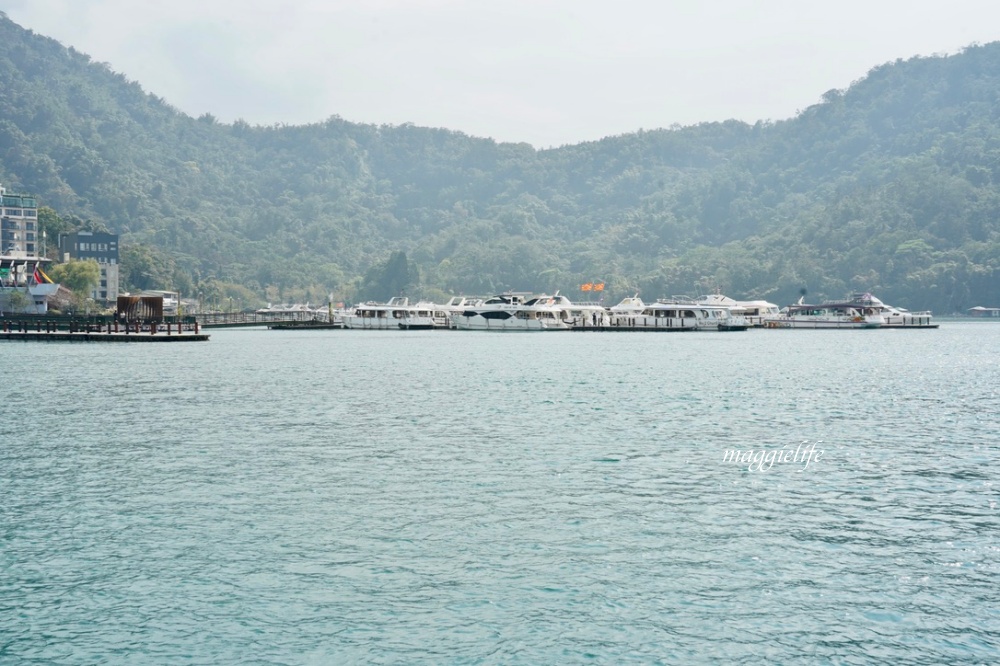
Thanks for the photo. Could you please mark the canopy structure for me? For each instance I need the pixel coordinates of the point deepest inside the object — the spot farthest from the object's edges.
(140, 308)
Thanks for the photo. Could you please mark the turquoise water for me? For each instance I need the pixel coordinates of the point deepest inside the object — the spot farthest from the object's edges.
(337, 497)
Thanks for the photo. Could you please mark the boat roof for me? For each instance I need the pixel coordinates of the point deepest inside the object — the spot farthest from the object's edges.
(821, 306)
(629, 302)
(866, 299)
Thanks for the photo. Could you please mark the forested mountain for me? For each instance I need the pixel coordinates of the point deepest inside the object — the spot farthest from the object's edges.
(890, 186)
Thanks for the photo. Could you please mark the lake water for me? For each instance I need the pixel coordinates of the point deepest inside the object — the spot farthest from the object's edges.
(338, 497)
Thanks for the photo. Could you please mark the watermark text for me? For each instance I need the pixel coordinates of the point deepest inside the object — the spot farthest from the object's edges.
(761, 460)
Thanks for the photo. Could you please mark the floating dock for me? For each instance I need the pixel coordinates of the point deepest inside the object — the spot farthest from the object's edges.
(83, 336)
(303, 326)
(108, 333)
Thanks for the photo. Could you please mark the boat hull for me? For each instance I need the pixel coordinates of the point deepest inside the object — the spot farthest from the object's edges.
(478, 323)
(646, 323)
(820, 324)
(909, 321)
(371, 323)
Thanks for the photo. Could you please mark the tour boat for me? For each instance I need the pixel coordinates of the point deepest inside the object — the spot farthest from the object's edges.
(630, 305)
(754, 311)
(893, 317)
(378, 316)
(513, 311)
(586, 316)
(675, 314)
(458, 304)
(825, 315)
(424, 315)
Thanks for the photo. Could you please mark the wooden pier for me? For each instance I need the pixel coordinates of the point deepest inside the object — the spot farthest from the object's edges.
(46, 331)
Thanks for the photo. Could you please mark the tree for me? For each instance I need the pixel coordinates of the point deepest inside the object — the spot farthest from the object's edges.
(51, 224)
(390, 278)
(145, 267)
(79, 277)
(14, 301)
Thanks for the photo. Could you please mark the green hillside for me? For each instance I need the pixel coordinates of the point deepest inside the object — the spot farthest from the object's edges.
(889, 186)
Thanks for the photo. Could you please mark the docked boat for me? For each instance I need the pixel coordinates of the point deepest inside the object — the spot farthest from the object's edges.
(754, 311)
(512, 311)
(458, 304)
(894, 317)
(586, 316)
(675, 315)
(378, 316)
(826, 315)
(424, 316)
(285, 312)
(630, 305)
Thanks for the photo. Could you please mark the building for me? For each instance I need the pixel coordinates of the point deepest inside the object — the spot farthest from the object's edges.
(18, 225)
(102, 248)
(24, 287)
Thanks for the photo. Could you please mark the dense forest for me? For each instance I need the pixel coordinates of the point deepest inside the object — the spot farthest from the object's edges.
(889, 186)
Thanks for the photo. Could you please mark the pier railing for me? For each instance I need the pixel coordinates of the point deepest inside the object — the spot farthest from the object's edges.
(223, 319)
(48, 323)
(95, 322)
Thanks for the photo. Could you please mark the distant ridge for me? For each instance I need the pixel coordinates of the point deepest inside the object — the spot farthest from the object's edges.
(889, 186)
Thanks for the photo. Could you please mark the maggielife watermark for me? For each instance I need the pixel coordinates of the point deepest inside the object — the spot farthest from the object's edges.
(761, 460)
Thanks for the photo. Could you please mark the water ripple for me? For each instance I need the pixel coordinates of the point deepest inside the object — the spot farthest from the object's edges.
(370, 497)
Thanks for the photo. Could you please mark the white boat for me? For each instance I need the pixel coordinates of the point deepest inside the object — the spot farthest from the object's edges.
(458, 304)
(631, 305)
(294, 310)
(585, 316)
(893, 317)
(514, 312)
(826, 315)
(675, 314)
(378, 316)
(754, 311)
(428, 315)
(398, 313)
(423, 316)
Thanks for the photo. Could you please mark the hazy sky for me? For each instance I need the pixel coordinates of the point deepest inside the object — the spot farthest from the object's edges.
(546, 72)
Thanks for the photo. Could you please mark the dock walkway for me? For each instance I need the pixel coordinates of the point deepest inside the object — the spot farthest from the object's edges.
(85, 336)
(47, 331)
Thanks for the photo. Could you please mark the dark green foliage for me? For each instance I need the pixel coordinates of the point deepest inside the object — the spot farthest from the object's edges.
(394, 277)
(78, 276)
(890, 186)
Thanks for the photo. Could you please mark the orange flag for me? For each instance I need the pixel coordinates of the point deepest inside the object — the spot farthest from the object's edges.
(599, 286)
(586, 287)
